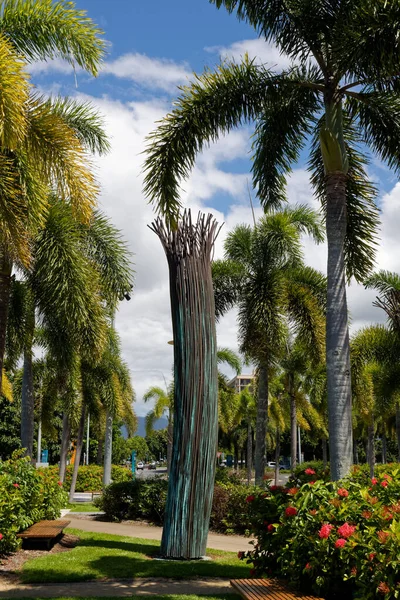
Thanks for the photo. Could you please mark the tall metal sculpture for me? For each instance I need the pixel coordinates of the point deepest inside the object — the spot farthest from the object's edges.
(191, 480)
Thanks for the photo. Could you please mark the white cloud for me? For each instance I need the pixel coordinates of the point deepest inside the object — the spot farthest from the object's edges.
(263, 52)
(152, 73)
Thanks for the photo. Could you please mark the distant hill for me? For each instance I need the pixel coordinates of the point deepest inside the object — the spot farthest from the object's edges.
(141, 430)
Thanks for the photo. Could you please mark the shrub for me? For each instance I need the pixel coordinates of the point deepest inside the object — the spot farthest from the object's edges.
(230, 512)
(312, 470)
(333, 539)
(90, 477)
(137, 499)
(27, 495)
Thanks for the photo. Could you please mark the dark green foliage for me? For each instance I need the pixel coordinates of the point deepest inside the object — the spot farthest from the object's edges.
(90, 478)
(10, 427)
(138, 499)
(157, 442)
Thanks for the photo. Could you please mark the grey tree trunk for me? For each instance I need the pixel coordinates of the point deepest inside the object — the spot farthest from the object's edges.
(191, 481)
(79, 446)
(5, 286)
(371, 449)
(337, 331)
(384, 446)
(261, 424)
(277, 454)
(398, 430)
(27, 405)
(249, 451)
(170, 433)
(324, 452)
(99, 458)
(293, 426)
(108, 449)
(65, 439)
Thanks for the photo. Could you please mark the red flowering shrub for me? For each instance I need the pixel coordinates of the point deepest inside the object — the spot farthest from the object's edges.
(330, 543)
(26, 496)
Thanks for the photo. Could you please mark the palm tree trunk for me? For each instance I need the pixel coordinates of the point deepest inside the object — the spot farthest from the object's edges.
(79, 446)
(235, 456)
(398, 430)
(5, 286)
(293, 426)
(324, 452)
(277, 454)
(355, 452)
(99, 458)
(27, 405)
(170, 433)
(191, 479)
(384, 446)
(65, 438)
(371, 448)
(108, 449)
(337, 331)
(249, 451)
(261, 423)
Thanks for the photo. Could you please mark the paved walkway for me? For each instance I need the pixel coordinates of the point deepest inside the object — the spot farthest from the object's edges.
(232, 543)
(115, 588)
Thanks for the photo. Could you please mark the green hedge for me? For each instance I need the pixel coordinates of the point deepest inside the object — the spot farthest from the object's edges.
(27, 495)
(145, 499)
(335, 539)
(90, 477)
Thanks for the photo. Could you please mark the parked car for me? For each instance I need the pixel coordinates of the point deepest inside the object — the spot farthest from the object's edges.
(271, 464)
(140, 466)
(152, 465)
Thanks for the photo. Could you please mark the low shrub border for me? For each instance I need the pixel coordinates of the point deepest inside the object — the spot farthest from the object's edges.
(27, 496)
(90, 477)
(333, 539)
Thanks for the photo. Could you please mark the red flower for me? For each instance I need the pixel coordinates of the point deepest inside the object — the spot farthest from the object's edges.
(313, 512)
(374, 481)
(340, 543)
(293, 491)
(60, 483)
(354, 571)
(1, 536)
(308, 566)
(383, 536)
(384, 483)
(291, 511)
(343, 492)
(371, 556)
(270, 527)
(276, 488)
(311, 482)
(367, 514)
(310, 472)
(346, 530)
(16, 485)
(240, 555)
(387, 477)
(383, 588)
(250, 498)
(325, 531)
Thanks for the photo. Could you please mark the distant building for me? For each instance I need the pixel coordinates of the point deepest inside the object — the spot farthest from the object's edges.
(240, 382)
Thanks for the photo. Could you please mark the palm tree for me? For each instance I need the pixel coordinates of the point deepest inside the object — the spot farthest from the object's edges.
(164, 400)
(340, 90)
(263, 273)
(41, 147)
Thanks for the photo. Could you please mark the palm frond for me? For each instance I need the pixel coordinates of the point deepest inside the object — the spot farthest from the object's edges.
(14, 86)
(43, 29)
(230, 358)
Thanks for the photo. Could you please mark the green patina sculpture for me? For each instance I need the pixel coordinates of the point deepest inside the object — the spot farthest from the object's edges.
(191, 480)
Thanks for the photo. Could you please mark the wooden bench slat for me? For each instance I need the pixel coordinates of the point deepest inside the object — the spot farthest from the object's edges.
(266, 589)
(44, 529)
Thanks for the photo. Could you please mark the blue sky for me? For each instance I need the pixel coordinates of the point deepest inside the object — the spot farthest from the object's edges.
(154, 47)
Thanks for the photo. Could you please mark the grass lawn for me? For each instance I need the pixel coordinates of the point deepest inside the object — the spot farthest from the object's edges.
(82, 507)
(99, 555)
(169, 597)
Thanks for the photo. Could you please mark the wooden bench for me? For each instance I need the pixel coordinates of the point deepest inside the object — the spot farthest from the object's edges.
(266, 589)
(44, 532)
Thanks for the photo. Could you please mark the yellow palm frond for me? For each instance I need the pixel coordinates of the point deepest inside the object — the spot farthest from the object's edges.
(14, 92)
(6, 387)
